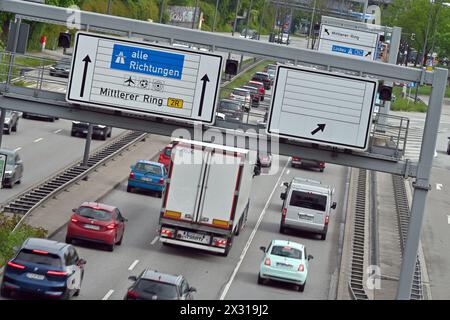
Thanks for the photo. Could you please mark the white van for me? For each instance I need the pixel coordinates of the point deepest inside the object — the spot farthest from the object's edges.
(306, 206)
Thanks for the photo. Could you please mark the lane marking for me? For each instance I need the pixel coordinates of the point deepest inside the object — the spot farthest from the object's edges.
(17, 149)
(57, 131)
(133, 265)
(154, 240)
(439, 186)
(39, 139)
(287, 172)
(106, 297)
(448, 219)
(250, 239)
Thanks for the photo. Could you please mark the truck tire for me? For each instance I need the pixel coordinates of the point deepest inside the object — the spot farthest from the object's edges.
(243, 220)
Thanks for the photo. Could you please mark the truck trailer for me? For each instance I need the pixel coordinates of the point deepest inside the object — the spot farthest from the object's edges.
(207, 195)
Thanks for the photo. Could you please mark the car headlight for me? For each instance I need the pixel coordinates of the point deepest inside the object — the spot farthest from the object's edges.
(8, 172)
(101, 126)
(52, 68)
(76, 122)
(7, 120)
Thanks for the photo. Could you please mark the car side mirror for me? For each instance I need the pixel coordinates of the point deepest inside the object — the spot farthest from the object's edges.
(192, 289)
(310, 257)
(333, 206)
(257, 170)
(283, 196)
(82, 262)
(286, 184)
(132, 278)
(74, 210)
(124, 219)
(263, 249)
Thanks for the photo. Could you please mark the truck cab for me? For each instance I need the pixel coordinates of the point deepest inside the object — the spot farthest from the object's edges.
(306, 206)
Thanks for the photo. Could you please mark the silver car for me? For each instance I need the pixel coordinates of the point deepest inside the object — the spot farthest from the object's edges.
(13, 169)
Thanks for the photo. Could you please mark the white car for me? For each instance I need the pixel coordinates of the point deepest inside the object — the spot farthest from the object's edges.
(242, 95)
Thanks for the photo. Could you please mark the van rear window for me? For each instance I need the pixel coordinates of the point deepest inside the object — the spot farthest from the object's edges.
(308, 200)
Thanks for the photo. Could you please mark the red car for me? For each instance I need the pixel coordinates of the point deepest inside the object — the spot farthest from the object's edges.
(260, 87)
(164, 156)
(96, 222)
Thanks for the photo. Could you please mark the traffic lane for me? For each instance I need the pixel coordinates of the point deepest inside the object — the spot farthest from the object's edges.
(207, 272)
(436, 234)
(45, 148)
(325, 252)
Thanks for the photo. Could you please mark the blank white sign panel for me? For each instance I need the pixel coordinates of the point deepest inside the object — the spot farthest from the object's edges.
(322, 107)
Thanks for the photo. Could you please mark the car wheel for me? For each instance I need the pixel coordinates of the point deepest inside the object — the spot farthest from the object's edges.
(77, 293)
(52, 119)
(109, 134)
(66, 295)
(14, 129)
(68, 240)
(129, 189)
(72, 133)
(111, 246)
(4, 292)
(448, 150)
(321, 170)
(282, 229)
(323, 236)
(260, 280)
(8, 131)
(18, 181)
(120, 241)
(301, 287)
(103, 137)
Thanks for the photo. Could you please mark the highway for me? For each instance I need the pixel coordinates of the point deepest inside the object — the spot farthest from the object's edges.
(106, 273)
(45, 148)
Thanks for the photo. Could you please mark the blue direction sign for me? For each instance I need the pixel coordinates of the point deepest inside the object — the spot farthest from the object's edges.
(348, 50)
(167, 82)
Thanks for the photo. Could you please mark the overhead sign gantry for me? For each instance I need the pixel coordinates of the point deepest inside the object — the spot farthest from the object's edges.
(143, 77)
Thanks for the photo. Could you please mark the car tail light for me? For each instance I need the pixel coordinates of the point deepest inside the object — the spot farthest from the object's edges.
(220, 242)
(132, 294)
(111, 226)
(283, 213)
(131, 175)
(327, 219)
(15, 265)
(301, 267)
(74, 220)
(57, 273)
(322, 164)
(161, 180)
(168, 233)
(295, 158)
(267, 261)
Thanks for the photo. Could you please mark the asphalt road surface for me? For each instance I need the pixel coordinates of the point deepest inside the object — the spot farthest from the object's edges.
(106, 273)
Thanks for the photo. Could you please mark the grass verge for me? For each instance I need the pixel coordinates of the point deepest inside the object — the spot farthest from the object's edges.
(426, 91)
(10, 240)
(406, 104)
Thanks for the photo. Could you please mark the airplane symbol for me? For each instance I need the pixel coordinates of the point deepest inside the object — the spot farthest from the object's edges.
(129, 81)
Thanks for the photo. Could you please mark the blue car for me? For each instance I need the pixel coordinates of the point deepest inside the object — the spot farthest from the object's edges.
(147, 175)
(45, 268)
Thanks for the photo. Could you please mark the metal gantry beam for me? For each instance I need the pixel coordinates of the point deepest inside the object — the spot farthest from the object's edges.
(143, 29)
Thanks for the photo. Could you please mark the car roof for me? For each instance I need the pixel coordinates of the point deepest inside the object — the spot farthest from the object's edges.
(51, 246)
(262, 73)
(8, 152)
(240, 89)
(231, 101)
(153, 162)
(309, 184)
(98, 205)
(150, 274)
(289, 243)
(256, 82)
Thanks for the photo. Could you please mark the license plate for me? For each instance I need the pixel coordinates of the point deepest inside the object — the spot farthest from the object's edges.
(305, 217)
(194, 237)
(284, 265)
(146, 179)
(92, 227)
(35, 276)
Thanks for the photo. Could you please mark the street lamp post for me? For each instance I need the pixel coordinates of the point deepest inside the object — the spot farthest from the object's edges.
(248, 18)
(261, 19)
(195, 14)
(161, 9)
(312, 21)
(215, 16)
(424, 58)
(235, 17)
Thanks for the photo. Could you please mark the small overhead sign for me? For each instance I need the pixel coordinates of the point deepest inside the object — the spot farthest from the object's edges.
(355, 43)
(322, 107)
(144, 77)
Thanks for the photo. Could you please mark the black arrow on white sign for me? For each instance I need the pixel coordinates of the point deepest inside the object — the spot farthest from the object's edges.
(368, 53)
(326, 30)
(319, 127)
(205, 79)
(86, 61)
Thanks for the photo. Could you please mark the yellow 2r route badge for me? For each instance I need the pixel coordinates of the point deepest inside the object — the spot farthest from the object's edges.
(175, 103)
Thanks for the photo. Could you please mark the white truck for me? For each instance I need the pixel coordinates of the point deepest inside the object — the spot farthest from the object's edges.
(207, 195)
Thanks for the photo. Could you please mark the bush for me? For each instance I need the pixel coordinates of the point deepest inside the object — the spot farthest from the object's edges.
(9, 240)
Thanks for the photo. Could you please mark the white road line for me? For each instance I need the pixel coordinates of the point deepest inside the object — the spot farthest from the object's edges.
(106, 297)
(287, 172)
(439, 186)
(133, 265)
(154, 240)
(39, 139)
(57, 131)
(448, 219)
(17, 149)
(250, 239)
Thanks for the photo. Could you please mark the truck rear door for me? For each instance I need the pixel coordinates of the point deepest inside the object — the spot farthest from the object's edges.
(186, 178)
(218, 195)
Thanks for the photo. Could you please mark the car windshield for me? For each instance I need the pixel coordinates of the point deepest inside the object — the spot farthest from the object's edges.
(251, 89)
(286, 251)
(148, 168)
(62, 65)
(229, 105)
(239, 93)
(8, 113)
(160, 289)
(96, 214)
(9, 158)
(39, 258)
(308, 200)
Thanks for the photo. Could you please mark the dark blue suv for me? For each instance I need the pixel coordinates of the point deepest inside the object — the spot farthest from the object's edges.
(44, 267)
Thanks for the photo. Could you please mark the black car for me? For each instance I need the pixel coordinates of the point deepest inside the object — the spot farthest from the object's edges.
(232, 109)
(60, 69)
(264, 78)
(27, 115)
(11, 121)
(46, 268)
(154, 285)
(98, 130)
